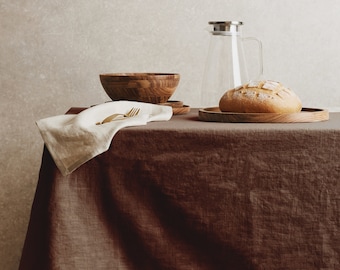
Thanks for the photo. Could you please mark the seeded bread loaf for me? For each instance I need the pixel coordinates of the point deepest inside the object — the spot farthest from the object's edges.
(260, 97)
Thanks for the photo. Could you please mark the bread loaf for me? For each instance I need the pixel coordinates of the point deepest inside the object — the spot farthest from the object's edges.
(260, 97)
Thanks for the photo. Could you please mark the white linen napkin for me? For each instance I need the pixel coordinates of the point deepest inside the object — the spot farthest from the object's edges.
(73, 139)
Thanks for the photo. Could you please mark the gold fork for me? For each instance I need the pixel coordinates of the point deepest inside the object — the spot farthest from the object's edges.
(115, 116)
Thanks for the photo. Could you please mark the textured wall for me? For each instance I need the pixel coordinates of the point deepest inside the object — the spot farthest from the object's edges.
(51, 53)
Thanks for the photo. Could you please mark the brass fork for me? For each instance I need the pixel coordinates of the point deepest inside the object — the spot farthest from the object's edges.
(119, 116)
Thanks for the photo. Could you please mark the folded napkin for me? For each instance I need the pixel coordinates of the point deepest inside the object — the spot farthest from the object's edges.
(73, 139)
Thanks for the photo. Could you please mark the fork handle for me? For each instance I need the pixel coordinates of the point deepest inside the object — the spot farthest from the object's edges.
(110, 118)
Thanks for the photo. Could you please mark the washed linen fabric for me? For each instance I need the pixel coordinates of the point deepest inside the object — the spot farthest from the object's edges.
(73, 139)
(184, 194)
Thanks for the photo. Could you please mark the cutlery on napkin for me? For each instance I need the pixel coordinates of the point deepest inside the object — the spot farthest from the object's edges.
(73, 139)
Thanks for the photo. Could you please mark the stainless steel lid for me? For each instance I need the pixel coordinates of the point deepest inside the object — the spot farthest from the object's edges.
(227, 26)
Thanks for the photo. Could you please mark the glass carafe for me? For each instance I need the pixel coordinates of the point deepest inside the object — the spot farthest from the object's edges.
(226, 64)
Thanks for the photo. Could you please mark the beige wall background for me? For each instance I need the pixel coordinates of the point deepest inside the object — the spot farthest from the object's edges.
(52, 52)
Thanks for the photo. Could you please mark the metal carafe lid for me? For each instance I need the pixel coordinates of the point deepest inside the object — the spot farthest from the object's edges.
(227, 26)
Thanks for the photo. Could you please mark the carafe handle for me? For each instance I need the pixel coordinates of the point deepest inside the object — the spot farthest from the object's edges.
(260, 74)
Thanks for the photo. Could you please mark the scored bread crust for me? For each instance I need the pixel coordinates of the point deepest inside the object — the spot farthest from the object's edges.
(260, 97)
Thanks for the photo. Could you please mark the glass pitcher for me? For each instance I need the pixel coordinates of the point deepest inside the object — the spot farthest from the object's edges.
(226, 64)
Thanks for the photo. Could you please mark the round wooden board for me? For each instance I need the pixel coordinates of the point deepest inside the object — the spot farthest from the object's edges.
(181, 110)
(177, 106)
(173, 103)
(213, 114)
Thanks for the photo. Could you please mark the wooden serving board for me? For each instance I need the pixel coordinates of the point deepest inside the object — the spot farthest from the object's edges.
(213, 114)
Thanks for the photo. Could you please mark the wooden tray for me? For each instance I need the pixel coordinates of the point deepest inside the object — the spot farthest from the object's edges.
(213, 114)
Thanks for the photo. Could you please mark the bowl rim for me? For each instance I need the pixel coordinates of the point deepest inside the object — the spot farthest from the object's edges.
(140, 74)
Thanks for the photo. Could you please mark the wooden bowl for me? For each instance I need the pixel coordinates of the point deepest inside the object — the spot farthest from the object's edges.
(144, 87)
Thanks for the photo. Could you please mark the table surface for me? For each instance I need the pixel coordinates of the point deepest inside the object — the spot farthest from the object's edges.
(186, 194)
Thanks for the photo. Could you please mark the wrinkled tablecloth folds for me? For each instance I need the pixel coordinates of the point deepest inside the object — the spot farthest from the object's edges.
(186, 194)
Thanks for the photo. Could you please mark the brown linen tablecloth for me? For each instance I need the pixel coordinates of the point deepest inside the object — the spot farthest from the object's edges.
(186, 194)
